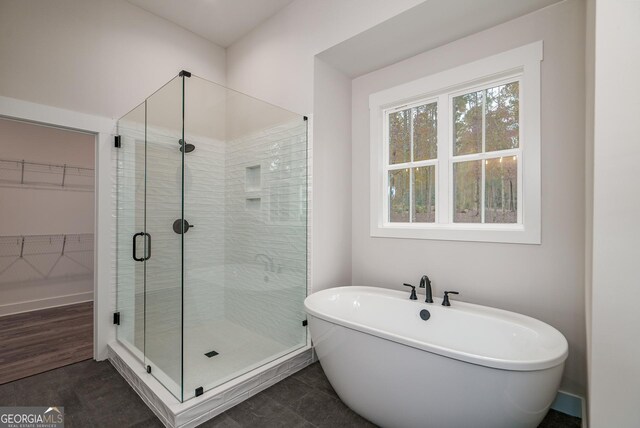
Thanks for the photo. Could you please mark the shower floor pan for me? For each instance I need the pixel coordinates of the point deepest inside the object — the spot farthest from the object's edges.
(232, 389)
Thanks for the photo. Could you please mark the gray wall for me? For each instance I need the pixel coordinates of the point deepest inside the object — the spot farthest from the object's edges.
(544, 281)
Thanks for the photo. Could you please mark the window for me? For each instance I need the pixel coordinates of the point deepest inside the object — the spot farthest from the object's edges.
(486, 149)
(412, 146)
(456, 155)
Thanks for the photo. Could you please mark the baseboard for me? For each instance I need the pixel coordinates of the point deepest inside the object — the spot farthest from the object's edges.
(569, 404)
(50, 302)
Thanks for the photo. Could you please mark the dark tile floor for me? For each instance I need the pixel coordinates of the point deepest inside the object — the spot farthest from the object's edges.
(94, 395)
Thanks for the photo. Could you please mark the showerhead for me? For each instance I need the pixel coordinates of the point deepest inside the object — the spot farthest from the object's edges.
(188, 147)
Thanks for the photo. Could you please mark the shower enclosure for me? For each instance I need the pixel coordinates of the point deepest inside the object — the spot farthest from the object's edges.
(211, 234)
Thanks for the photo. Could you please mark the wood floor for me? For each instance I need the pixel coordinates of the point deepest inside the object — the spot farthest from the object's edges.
(37, 341)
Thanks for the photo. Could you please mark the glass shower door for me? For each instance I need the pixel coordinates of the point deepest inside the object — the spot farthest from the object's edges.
(149, 247)
(163, 220)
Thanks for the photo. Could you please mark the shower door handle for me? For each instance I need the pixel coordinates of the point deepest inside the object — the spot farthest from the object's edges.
(148, 246)
(135, 236)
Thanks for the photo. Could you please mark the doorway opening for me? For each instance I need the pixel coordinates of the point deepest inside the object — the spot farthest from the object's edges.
(47, 203)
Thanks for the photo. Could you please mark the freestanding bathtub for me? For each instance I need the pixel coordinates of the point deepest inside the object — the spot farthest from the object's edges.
(466, 366)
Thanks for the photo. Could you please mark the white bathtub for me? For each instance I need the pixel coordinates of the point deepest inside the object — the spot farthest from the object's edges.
(466, 366)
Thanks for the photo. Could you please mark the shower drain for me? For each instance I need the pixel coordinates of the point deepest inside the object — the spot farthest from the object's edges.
(211, 354)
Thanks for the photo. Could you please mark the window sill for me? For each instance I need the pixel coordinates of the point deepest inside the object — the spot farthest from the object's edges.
(513, 234)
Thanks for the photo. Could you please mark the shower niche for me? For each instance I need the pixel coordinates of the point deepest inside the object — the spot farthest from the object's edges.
(195, 237)
(252, 180)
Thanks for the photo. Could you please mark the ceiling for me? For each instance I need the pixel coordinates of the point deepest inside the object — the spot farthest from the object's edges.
(220, 21)
(426, 26)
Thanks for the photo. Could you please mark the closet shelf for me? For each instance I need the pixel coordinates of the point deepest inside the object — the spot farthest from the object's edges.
(29, 258)
(21, 245)
(23, 172)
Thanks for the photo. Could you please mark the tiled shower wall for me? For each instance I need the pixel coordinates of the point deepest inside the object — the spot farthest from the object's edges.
(265, 240)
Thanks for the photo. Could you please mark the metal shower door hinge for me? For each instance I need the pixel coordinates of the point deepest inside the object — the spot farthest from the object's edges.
(117, 141)
(304, 323)
(148, 369)
(199, 391)
(116, 318)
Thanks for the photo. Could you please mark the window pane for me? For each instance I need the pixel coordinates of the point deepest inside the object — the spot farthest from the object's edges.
(425, 132)
(424, 188)
(399, 195)
(400, 136)
(501, 190)
(467, 123)
(502, 117)
(466, 186)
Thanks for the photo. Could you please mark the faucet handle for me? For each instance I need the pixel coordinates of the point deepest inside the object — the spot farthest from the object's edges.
(445, 300)
(413, 292)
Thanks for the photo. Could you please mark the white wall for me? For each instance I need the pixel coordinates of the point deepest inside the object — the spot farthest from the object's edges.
(615, 349)
(275, 61)
(545, 281)
(95, 56)
(332, 178)
(43, 277)
(589, 116)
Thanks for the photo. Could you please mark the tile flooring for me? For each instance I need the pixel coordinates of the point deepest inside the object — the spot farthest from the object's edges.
(94, 395)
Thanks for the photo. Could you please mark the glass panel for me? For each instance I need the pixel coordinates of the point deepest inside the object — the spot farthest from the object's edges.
(424, 188)
(502, 117)
(501, 190)
(245, 262)
(237, 171)
(425, 132)
(163, 278)
(400, 136)
(467, 123)
(467, 177)
(399, 196)
(130, 220)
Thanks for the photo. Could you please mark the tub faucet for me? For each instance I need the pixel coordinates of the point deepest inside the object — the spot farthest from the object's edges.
(425, 283)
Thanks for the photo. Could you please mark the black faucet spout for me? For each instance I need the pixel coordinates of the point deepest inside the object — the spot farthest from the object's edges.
(425, 283)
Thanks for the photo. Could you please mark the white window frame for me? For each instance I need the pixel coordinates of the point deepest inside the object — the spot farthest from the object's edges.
(521, 64)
